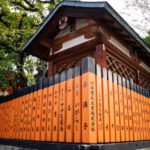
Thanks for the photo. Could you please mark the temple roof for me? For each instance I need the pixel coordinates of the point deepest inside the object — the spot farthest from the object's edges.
(89, 10)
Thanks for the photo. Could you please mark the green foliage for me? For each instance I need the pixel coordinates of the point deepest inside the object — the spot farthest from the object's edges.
(19, 19)
(147, 39)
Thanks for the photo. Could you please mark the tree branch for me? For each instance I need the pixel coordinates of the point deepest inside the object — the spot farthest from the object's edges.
(21, 21)
(28, 3)
(2, 20)
(24, 7)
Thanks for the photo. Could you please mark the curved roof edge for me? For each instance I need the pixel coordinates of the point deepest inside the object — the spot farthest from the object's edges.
(104, 5)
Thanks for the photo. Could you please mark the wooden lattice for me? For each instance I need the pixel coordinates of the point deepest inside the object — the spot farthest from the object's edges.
(70, 63)
(66, 65)
(115, 65)
(144, 82)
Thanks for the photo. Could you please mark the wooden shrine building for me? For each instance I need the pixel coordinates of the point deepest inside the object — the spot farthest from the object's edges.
(74, 30)
(97, 95)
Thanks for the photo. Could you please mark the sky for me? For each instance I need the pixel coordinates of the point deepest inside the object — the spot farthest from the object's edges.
(133, 17)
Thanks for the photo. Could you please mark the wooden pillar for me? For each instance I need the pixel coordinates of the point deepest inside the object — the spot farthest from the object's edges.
(100, 55)
(137, 77)
(50, 68)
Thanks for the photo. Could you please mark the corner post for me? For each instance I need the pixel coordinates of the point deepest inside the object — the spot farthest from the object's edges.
(100, 55)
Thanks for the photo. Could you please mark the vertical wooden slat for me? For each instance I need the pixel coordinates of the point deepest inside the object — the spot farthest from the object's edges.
(111, 107)
(106, 106)
(62, 108)
(138, 107)
(132, 93)
(55, 125)
(70, 106)
(89, 121)
(77, 105)
(121, 103)
(136, 112)
(144, 114)
(38, 111)
(44, 109)
(126, 117)
(117, 115)
(100, 105)
(130, 111)
(34, 108)
(141, 111)
(30, 112)
(49, 110)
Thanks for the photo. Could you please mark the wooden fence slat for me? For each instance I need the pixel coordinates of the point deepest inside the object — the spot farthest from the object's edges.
(89, 121)
(55, 125)
(49, 110)
(100, 105)
(70, 106)
(77, 105)
(111, 107)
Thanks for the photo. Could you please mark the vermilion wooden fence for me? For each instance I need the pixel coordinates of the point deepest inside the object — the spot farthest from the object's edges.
(85, 104)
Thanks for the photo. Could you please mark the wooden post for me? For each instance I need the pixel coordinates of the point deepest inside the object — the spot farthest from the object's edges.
(50, 68)
(100, 55)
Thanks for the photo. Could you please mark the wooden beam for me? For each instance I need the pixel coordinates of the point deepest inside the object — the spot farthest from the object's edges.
(47, 43)
(57, 43)
(89, 45)
(100, 55)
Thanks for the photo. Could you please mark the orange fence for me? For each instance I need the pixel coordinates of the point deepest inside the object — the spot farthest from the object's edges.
(85, 104)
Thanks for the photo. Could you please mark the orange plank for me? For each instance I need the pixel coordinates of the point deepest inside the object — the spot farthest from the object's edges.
(133, 108)
(147, 116)
(111, 107)
(69, 106)
(62, 108)
(89, 121)
(25, 115)
(138, 108)
(27, 112)
(17, 116)
(6, 118)
(106, 106)
(55, 125)
(117, 108)
(144, 101)
(121, 103)
(44, 109)
(135, 112)
(130, 111)
(38, 115)
(34, 109)
(49, 110)
(126, 115)
(100, 105)
(30, 113)
(77, 105)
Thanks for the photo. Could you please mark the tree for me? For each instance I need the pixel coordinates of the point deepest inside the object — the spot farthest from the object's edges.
(140, 14)
(142, 8)
(147, 39)
(19, 19)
